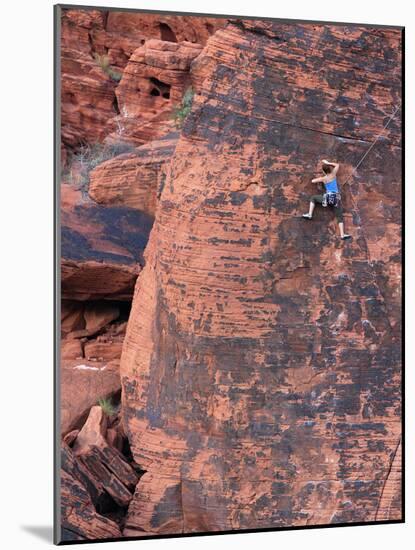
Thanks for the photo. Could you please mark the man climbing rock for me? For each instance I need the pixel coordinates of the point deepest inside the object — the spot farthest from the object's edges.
(331, 197)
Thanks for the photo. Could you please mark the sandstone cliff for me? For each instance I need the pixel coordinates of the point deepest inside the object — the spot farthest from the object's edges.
(96, 47)
(261, 366)
(123, 75)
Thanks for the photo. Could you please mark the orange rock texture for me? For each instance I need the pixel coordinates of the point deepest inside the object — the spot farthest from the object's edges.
(122, 76)
(261, 366)
(96, 47)
(134, 180)
(155, 78)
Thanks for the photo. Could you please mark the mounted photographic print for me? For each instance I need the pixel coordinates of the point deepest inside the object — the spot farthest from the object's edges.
(229, 198)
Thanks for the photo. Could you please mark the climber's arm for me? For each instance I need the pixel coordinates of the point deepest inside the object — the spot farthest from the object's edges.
(334, 164)
(318, 180)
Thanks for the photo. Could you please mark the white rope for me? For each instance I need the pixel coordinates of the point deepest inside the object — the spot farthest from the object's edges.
(355, 169)
(374, 143)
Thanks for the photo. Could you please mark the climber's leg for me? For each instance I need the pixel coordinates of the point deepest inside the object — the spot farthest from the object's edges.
(313, 200)
(338, 211)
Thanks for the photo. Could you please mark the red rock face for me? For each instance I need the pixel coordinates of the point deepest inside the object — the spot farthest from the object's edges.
(87, 91)
(99, 266)
(102, 246)
(111, 235)
(79, 518)
(83, 383)
(135, 180)
(123, 75)
(261, 366)
(90, 109)
(154, 81)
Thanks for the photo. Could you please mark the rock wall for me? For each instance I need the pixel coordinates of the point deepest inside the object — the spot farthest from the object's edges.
(96, 47)
(261, 366)
(136, 180)
(122, 76)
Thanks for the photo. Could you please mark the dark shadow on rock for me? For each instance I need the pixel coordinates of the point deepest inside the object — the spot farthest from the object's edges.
(43, 532)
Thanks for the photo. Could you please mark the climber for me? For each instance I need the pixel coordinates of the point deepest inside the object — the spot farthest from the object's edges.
(331, 197)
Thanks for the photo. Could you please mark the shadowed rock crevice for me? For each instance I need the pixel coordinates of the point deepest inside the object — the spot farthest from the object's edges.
(166, 33)
(160, 88)
(249, 26)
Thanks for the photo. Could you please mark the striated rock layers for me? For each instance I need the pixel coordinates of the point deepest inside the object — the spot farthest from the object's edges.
(153, 84)
(134, 180)
(103, 236)
(96, 46)
(261, 365)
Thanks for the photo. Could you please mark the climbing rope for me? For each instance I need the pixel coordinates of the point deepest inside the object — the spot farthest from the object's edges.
(392, 116)
(355, 207)
(374, 143)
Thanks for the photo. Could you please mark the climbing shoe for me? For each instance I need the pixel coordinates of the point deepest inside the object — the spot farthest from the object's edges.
(307, 216)
(346, 237)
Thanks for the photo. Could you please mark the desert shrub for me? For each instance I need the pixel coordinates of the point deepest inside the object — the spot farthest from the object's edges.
(88, 157)
(107, 406)
(180, 113)
(115, 148)
(104, 62)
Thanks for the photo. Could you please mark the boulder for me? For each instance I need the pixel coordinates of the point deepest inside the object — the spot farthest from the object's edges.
(79, 519)
(82, 384)
(91, 280)
(155, 77)
(153, 85)
(101, 246)
(104, 461)
(93, 431)
(72, 466)
(99, 315)
(134, 180)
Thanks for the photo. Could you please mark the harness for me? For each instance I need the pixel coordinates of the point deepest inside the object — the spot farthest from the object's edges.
(331, 199)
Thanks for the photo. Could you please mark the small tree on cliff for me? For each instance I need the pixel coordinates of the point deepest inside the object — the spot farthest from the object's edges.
(107, 406)
(180, 113)
(104, 62)
(88, 157)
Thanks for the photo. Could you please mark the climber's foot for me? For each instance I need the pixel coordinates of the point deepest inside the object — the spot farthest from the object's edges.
(307, 216)
(343, 237)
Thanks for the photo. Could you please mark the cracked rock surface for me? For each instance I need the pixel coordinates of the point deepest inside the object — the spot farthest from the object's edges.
(261, 366)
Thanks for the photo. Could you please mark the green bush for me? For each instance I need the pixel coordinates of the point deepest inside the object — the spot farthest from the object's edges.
(104, 62)
(180, 113)
(107, 406)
